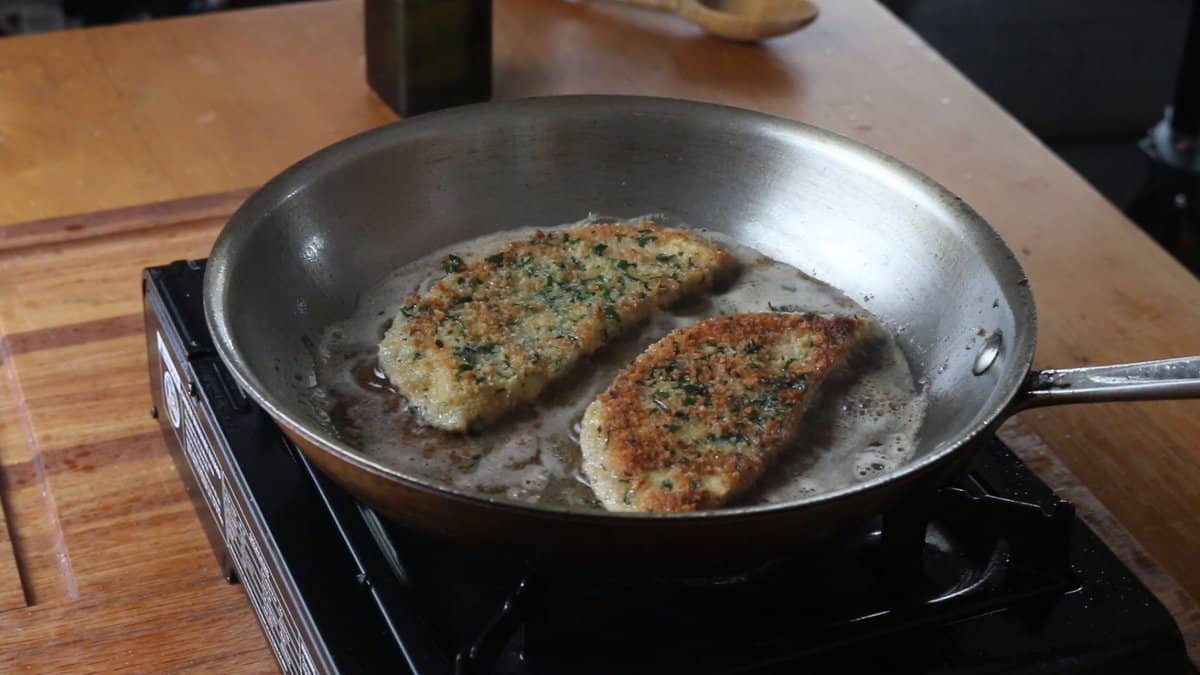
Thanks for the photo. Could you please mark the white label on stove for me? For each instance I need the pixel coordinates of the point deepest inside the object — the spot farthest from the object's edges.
(190, 434)
(171, 387)
(277, 623)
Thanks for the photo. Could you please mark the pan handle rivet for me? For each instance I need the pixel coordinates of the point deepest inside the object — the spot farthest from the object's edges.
(988, 354)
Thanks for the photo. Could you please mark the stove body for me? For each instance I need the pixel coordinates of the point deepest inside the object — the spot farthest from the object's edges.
(992, 575)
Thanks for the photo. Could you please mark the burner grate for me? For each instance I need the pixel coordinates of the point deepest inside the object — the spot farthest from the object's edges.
(924, 565)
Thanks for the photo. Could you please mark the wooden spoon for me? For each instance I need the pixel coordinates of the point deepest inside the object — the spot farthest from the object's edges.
(740, 20)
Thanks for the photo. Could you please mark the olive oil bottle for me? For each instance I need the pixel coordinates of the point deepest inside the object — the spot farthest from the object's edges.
(424, 55)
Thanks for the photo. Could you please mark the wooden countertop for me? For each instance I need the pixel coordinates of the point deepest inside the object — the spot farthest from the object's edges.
(107, 560)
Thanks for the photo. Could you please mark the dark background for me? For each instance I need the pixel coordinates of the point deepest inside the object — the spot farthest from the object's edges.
(1088, 77)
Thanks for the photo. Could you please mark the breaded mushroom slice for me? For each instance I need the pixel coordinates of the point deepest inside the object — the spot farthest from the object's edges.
(700, 415)
(494, 332)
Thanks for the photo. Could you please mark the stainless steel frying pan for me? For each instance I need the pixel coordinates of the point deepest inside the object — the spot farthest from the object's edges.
(295, 257)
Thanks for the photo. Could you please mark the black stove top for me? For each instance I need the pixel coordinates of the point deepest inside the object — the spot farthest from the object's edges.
(991, 575)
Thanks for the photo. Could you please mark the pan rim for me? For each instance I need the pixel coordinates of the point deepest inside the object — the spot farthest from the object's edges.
(276, 192)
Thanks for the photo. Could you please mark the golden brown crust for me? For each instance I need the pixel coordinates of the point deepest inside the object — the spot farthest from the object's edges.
(701, 413)
(494, 332)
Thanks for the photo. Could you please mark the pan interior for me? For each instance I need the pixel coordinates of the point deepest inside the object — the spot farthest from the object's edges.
(862, 421)
(298, 256)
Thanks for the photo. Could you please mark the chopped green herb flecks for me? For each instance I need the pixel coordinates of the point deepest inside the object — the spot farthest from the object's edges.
(452, 263)
(714, 400)
(503, 318)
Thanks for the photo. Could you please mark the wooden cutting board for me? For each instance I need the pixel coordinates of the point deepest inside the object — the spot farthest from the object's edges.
(104, 564)
(102, 560)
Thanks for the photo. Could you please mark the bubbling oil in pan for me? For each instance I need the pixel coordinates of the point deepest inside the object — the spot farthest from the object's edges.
(863, 422)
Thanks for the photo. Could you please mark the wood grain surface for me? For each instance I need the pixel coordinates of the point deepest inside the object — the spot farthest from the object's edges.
(135, 113)
(100, 530)
(112, 561)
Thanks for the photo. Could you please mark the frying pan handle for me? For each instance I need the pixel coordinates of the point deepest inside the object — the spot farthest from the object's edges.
(1148, 380)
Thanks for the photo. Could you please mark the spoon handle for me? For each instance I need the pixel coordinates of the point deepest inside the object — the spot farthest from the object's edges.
(671, 6)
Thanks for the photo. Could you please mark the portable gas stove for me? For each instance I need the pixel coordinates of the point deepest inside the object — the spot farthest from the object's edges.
(991, 575)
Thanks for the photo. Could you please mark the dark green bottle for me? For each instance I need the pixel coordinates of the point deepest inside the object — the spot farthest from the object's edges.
(424, 55)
